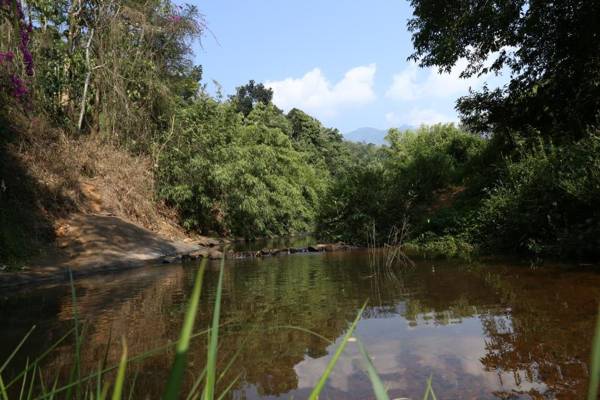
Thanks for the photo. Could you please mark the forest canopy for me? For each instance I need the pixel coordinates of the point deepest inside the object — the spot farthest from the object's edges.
(520, 173)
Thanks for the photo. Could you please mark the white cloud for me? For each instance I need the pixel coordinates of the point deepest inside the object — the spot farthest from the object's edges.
(315, 94)
(413, 83)
(417, 117)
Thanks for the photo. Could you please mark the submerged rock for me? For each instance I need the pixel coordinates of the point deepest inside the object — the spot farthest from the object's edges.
(215, 254)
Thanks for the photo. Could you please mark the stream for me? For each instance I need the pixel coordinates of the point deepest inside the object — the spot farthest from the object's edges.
(494, 330)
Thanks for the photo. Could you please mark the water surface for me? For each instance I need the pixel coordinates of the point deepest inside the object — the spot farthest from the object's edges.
(483, 331)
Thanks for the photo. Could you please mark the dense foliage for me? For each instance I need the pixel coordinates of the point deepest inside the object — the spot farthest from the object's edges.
(441, 181)
(236, 175)
(16, 61)
(531, 185)
(546, 202)
(550, 48)
(520, 174)
(399, 182)
(116, 68)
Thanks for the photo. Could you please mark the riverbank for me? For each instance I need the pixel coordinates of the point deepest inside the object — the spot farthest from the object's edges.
(89, 244)
(95, 243)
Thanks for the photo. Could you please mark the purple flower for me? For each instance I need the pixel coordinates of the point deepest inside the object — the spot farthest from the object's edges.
(175, 18)
(6, 56)
(19, 88)
(24, 47)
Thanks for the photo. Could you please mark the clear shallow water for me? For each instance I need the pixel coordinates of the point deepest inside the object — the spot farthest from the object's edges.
(494, 331)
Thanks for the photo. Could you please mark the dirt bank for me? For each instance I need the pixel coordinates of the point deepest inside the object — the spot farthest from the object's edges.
(95, 243)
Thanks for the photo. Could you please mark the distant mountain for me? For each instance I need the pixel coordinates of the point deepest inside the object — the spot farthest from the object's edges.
(367, 135)
(370, 135)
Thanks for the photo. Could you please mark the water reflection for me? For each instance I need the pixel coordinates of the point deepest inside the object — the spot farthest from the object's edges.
(485, 332)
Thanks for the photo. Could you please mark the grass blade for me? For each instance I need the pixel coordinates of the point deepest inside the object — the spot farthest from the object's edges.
(429, 390)
(24, 383)
(132, 388)
(3, 393)
(118, 391)
(213, 341)
(14, 352)
(33, 375)
(232, 360)
(40, 358)
(378, 388)
(301, 329)
(194, 392)
(42, 385)
(99, 380)
(104, 392)
(176, 377)
(53, 392)
(76, 370)
(595, 363)
(228, 388)
(319, 387)
(137, 358)
(105, 359)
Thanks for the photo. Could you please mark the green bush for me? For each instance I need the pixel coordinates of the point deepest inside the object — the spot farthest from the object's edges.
(446, 246)
(546, 202)
(430, 158)
(355, 202)
(239, 176)
(394, 184)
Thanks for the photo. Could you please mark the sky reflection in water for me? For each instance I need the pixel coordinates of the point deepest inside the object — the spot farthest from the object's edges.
(482, 331)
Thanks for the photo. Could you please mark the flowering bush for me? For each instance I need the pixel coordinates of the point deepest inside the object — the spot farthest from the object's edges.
(12, 65)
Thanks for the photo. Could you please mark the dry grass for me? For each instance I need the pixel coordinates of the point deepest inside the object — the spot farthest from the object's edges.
(90, 175)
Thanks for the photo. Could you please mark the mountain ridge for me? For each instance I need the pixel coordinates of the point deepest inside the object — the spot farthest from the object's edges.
(368, 134)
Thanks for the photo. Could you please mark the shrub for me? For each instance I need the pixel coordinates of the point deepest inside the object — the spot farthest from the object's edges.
(546, 202)
(236, 175)
(392, 184)
(446, 246)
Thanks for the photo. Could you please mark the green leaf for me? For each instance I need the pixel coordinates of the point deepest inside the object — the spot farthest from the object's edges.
(378, 388)
(10, 357)
(314, 395)
(595, 363)
(118, 391)
(176, 377)
(213, 339)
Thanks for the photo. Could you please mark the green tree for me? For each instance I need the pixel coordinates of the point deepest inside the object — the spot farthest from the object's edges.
(249, 95)
(238, 176)
(550, 49)
(118, 68)
(325, 144)
(384, 187)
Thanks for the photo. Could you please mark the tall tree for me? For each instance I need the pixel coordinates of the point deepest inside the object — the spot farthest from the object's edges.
(250, 94)
(550, 48)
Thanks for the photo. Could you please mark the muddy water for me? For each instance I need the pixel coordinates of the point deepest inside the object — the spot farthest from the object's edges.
(482, 331)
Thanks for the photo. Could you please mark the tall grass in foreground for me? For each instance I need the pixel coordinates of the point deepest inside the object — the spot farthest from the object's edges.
(32, 385)
(595, 363)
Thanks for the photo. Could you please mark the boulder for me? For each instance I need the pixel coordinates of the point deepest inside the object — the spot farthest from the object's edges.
(215, 254)
(197, 254)
(208, 242)
(170, 259)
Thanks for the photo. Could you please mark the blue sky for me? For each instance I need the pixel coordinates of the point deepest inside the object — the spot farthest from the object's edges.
(345, 62)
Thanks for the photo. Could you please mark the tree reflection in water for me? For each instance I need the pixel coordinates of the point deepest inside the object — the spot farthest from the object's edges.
(483, 331)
